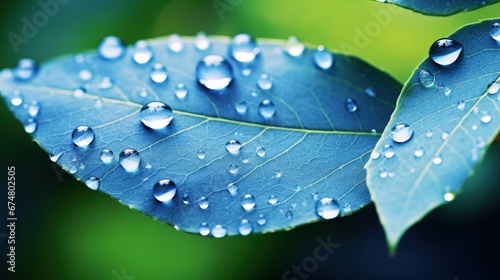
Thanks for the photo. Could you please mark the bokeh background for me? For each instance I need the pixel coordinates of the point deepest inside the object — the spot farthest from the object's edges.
(66, 231)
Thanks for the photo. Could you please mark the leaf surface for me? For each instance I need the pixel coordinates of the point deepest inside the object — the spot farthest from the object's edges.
(441, 7)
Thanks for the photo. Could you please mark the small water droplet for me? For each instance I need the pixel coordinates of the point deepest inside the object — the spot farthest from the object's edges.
(246, 71)
(26, 69)
(34, 108)
(315, 196)
(449, 196)
(446, 91)
(461, 105)
(106, 83)
(288, 215)
(445, 51)
(248, 202)
(346, 208)
(204, 229)
(72, 169)
(180, 91)
(388, 151)
(261, 151)
(265, 82)
(429, 133)
(493, 88)
(143, 52)
(272, 199)
(106, 156)
(480, 142)
(233, 168)
(81, 166)
(79, 92)
(485, 117)
(164, 190)
(175, 43)
(219, 231)
(203, 203)
(201, 154)
(85, 75)
(474, 127)
(233, 146)
(245, 227)
(159, 73)
(495, 31)
(148, 165)
(244, 48)
(323, 58)
(374, 155)
(185, 198)
(93, 183)
(241, 107)
(232, 188)
(130, 160)
(54, 157)
(445, 135)
(267, 109)
(419, 152)
(82, 136)
(426, 78)
(351, 105)
(382, 173)
(156, 115)
(327, 208)
(294, 47)
(401, 133)
(437, 160)
(370, 91)
(111, 47)
(261, 220)
(278, 174)
(17, 98)
(214, 72)
(202, 42)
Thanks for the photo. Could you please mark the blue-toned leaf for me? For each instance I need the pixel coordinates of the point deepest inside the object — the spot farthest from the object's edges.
(453, 114)
(441, 7)
(314, 146)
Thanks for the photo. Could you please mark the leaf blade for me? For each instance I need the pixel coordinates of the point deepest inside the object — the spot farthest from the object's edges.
(440, 8)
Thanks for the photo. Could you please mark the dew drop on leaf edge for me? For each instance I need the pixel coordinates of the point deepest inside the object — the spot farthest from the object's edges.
(327, 208)
(93, 183)
(245, 227)
(111, 47)
(214, 72)
(26, 69)
(445, 51)
(243, 48)
(323, 58)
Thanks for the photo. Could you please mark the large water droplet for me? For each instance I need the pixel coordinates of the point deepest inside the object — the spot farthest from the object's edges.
(388, 151)
(130, 160)
(203, 203)
(17, 98)
(82, 136)
(202, 42)
(327, 208)
(241, 107)
(164, 190)
(401, 133)
(272, 199)
(419, 152)
(493, 88)
(267, 109)
(156, 115)
(233, 146)
(175, 43)
(180, 91)
(495, 31)
(204, 229)
(261, 220)
(261, 151)
(294, 47)
(351, 105)
(93, 183)
(426, 78)
(445, 51)
(265, 82)
(159, 73)
(248, 202)
(244, 48)
(111, 47)
(143, 52)
(26, 69)
(219, 231)
(323, 58)
(232, 188)
(106, 156)
(30, 125)
(245, 227)
(214, 72)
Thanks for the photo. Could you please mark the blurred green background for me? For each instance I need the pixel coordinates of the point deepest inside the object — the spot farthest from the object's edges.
(66, 231)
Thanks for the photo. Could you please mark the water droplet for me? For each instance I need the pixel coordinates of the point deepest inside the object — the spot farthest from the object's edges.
(180, 91)
(278, 174)
(148, 165)
(175, 43)
(241, 107)
(54, 157)
(374, 155)
(323, 58)
(143, 52)
(445, 135)
(495, 31)
(203, 203)
(261, 220)
(111, 47)
(130, 160)
(461, 105)
(419, 152)
(106, 156)
(245, 227)
(79, 92)
(201, 154)
(446, 91)
(370, 91)
(315, 196)
(474, 127)
(219, 231)
(429, 133)
(159, 73)
(244, 48)
(347, 207)
(82, 136)
(401, 133)
(327, 208)
(265, 82)
(388, 151)
(288, 215)
(93, 183)
(214, 72)
(202, 42)
(382, 173)
(246, 71)
(156, 115)
(106, 83)
(486, 117)
(233, 168)
(233, 146)
(351, 105)
(85, 75)
(294, 47)
(449, 196)
(26, 69)
(204, 229)
(34, 108)
(445, 51)
(72, 169)
(185, 198)
(248, 202)
(245, 160)
(261, 151)
(232, 188)
(267, 109)
(426, 78)
(81, 166)
(272, 199)
(164, 190)
(437, 160)
(480, 142)
(493, 88)
(17, 98)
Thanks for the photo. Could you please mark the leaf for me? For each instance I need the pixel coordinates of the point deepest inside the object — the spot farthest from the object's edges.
(441, 7)
(314, 147)
(453, 122)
